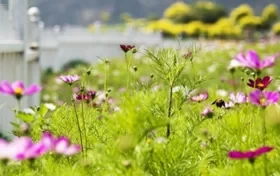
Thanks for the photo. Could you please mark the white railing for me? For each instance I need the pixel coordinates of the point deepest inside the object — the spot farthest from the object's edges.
(17, 60)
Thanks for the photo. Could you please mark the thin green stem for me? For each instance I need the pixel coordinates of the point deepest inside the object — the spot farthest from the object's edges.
(79, 127)
(170, 95)
(17, 110)
(264, 138)
(134, 80)
(105, 108)
(78, 123)
(84, 126)
(127, 59)
(232, 77)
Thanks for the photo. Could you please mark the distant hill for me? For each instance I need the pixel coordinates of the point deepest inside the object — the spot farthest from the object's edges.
(83, 12)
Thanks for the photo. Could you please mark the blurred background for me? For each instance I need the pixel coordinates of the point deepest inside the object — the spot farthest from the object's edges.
(76, 31)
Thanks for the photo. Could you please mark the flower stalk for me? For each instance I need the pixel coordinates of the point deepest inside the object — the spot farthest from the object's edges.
(170, 96)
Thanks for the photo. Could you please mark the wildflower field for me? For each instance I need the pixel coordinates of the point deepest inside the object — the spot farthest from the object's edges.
(172, 111)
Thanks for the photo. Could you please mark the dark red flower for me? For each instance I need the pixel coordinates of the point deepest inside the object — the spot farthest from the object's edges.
(250, 155)
(89, 95)
(260, 83)
(127, 48)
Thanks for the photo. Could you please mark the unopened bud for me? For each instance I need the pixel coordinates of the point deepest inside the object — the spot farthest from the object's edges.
(126, 163)
(134, 50)
(88, 71)
(247, 72)
(82, 88)
(107, 61)
(135, 68)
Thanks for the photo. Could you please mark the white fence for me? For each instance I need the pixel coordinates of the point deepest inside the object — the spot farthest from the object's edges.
(71, 43)
(16, 62)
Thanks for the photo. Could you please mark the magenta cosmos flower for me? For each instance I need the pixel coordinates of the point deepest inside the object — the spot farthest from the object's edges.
(253, 61)
(250, 155)
(60, 145)
(238, 98)
(260, 83)
(265, 98)
(200, 97)
(70, 79)
(18, 89)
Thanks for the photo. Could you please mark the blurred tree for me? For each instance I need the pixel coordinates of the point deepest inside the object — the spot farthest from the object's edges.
(209, 12)
(269, 16)
(125, 17)
(240, 12)
(276, 29)
(180, 12)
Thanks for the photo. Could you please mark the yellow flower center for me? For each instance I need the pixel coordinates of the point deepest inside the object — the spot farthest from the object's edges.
(260, 85)
(18, 91)
(262, 101)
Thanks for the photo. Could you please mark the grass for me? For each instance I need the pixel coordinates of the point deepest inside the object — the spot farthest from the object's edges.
(128, 137)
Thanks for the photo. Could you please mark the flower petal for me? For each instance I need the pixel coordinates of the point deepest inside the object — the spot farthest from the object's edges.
(17, 84)
(72, 149)
(6, 88)
(268, 61)
(236, 155)
(254, 97)
(263, 150)
(32, 89)
(61, 145)
(253, 59)
(272, 97)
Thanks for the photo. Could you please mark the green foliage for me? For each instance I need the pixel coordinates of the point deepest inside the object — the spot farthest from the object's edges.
(209, 12)
(129, 137)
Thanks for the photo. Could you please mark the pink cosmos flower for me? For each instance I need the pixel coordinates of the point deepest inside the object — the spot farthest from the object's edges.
(207, 112)
(265, 98)
(251, 155)
(229, 105)
(60, 145)
(70, 79)
(24, 148)
(21, 148)
(200, 97)
(253, 61)
(238, 98)
(18, 89)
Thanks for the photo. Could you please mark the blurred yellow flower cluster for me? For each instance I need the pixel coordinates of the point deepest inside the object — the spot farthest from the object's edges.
(183, 19)
(224, 28)
(177, 9)
(276, 28)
